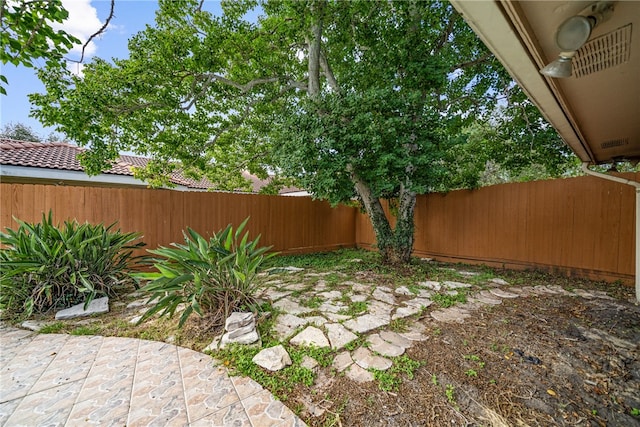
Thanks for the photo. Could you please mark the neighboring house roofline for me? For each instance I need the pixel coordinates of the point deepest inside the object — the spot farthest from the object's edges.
(57, 163)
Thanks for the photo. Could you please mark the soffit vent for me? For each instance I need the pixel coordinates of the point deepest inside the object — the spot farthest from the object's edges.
(615, 143)
(604, 52)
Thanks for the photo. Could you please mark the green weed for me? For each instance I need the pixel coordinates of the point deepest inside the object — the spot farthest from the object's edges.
(391, 379)
(399, 325)
(355, 308)
(450, 392)
(446, 300)
(53, 328)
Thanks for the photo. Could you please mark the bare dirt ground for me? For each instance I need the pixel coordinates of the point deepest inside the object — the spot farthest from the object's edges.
(537, 361)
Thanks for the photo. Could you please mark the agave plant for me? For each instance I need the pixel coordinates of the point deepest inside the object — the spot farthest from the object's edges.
(43, 266)
(208, 277)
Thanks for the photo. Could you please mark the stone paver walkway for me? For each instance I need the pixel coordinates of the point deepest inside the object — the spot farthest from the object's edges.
(331, 321)
(63, 380)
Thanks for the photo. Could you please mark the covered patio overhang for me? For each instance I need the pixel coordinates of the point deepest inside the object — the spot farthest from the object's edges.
(596, 110)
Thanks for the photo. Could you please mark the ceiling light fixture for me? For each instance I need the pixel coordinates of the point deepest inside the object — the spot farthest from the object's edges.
(573, 33)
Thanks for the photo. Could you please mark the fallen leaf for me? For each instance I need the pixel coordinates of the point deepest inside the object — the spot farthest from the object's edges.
(551, 392)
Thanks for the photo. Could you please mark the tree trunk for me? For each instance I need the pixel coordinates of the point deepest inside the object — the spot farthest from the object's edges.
(395, 245)
(315, 45)
(403, 233)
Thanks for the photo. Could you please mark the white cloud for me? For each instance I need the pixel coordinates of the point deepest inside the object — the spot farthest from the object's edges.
(82, 22)
(76, 68)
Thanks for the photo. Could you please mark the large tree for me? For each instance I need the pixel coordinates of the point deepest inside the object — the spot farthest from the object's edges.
(353, 99)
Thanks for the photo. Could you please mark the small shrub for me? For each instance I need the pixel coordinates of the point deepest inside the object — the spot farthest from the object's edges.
(214, 277)
(44, 267)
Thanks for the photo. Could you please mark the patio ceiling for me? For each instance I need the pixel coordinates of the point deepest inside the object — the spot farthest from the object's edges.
(597, 109)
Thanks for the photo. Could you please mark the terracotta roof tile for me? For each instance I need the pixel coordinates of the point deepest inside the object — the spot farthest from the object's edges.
(63, 156)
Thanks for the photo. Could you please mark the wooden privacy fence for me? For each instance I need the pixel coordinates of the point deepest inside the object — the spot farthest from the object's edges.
(289, 224)
(579, 226)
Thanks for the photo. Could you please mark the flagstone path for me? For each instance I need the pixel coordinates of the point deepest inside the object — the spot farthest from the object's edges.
(322, 314)
(108, 381)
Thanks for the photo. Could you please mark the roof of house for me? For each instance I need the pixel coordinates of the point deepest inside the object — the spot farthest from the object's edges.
(596, 109)
(63, 156)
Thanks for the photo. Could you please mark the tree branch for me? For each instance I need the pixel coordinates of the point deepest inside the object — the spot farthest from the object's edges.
(97, 33)
(247, 110)
(476, 61)
(328, 73)
(446, 33)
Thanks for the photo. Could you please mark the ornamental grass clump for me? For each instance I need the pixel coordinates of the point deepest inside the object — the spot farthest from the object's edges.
(209, 277)
(44, 267)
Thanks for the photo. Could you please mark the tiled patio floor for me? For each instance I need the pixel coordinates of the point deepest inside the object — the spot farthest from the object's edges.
(63, 380)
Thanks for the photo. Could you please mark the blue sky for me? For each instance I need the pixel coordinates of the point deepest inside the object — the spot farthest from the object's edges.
(85, 18)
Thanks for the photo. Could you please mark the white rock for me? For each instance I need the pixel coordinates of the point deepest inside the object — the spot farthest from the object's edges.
(244, 330)
(431, 284)
(273, 358)
(315, 320)
(342, 361)
(330, 295)
(379, 308)
(395, 339)
(358, 298)
(310, 336)
(367, 322)
(286, 324)
(367, 360)
(423, 293)
(383, 347)
(403, 290)
(358, 374)
(499, 281)
(502, 293)
(419, 302)
(333, 307)
(384, 296)
(274, 294)
(296, 286)
(237, 320)
(289, 306)
(402, 312)
(334, 317)
(249, 338)
(487, 297)
(139, 303)
(97, 306)
(309, 362)
(456, 285)
(415, 332)
(33, 325)
(360, 287)
(468, 273)
(339, 336)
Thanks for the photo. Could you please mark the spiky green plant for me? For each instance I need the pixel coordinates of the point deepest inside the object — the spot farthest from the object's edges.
(207, 277)
(43, 266)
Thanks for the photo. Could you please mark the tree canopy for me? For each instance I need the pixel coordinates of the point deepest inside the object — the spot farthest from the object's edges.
(19, 132)
(26, 33)
(352, 99)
